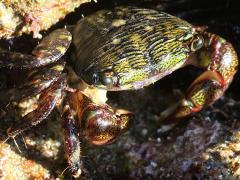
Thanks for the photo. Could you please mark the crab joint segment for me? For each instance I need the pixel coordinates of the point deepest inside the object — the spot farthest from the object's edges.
(99, 124)
(71, 141)
(46, 103)
(220, 61)
(50, 50)
(36, 82)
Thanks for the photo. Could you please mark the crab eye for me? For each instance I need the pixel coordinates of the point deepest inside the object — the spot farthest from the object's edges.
(197, 43)
(108, 78)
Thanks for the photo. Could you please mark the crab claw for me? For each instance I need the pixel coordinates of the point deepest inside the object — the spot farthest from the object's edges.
(99, 123)
(219, 60)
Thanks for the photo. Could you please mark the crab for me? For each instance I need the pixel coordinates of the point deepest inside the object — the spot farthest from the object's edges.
(126, 48)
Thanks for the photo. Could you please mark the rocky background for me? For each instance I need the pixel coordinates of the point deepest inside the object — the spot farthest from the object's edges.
(204, 146)
(32, 16)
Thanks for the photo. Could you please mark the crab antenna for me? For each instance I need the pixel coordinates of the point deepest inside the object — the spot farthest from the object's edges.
(5, 140)
(15, 142)
(68, 167)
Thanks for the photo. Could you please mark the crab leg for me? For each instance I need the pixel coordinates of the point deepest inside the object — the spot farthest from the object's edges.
(35, 84)
(71, 141)
(220, 61)
(50, 50)
(46, 103)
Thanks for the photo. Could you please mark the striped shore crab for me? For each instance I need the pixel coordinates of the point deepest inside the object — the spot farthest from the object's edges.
(123, 49)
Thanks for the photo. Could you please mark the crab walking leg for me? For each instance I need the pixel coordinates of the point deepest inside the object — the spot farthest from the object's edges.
(99, 123)
(220, 61)
(37, 82)
(46, 103)
(71, 141)
(50, 50)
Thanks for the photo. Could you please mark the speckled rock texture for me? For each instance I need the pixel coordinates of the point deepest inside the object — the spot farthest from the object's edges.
(26, 16)
(204, 146)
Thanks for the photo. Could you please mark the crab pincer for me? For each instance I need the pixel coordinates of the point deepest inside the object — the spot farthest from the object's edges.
(219, 60)
(99, 124)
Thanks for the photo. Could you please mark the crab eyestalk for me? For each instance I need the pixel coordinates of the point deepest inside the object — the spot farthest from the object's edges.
(219, 59)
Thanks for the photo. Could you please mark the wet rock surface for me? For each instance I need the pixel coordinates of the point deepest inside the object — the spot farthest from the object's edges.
(204, 146)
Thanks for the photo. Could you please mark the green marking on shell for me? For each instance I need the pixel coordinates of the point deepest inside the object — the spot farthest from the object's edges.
(135, 43)
(58, 68)
(61, 49)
